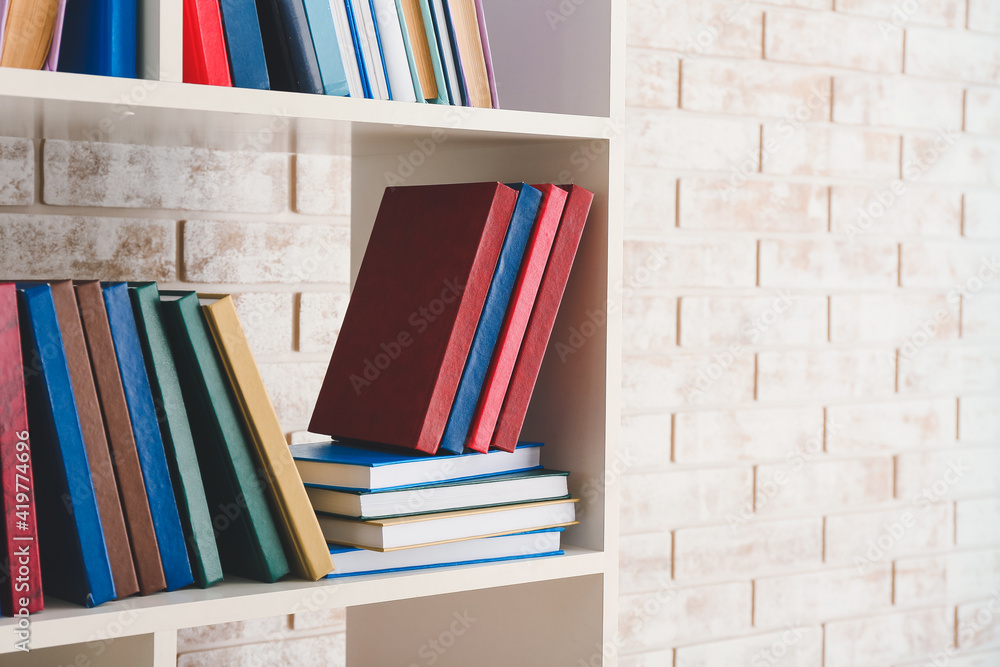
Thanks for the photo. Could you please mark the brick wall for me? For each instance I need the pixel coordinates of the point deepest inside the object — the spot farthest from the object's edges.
(811, 381)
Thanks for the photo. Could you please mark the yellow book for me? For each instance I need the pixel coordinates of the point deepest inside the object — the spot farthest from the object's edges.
(28, 37)
(310, 556)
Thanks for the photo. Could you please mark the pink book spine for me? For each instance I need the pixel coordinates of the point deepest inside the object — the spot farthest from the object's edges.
(4, 6)
(486, 53)
(52, 62)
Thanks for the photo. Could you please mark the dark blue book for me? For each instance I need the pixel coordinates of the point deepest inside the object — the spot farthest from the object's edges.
(494, 309)
(277, 56)
(99, 37)
(75, 562)
(148, 439)
(359, 50)
(243, 41)
(294, 27)
(324, 39)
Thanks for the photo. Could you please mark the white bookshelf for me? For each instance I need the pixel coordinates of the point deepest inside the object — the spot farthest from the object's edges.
(562, 92)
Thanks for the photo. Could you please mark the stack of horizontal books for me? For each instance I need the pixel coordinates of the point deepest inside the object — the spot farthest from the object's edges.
(383, 510)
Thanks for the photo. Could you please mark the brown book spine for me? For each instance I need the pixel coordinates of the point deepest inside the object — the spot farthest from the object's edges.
(118, 427)
(98, 456)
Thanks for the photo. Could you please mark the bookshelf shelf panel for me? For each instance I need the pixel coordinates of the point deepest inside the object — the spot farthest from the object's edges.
(63, 623)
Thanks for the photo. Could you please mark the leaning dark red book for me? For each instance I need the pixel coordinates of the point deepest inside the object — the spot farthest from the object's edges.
(21, 575)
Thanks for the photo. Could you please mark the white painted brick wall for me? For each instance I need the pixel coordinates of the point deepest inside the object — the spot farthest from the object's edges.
(772, 485)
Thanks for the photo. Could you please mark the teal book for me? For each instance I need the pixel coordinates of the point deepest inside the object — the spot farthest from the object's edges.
(410, 60)
(248, 539)
(432, 40)
(324, 39)
(178, 440)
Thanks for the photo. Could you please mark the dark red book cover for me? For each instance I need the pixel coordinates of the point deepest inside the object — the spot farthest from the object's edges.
(21, 575)
(414, 310)
(206, 60)
(522, 300)
(543, 318)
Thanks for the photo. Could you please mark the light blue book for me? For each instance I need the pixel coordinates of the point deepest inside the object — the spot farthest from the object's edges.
(336, 465)
(483, 343)
(324, 39)
(417, 90)
(352, 562)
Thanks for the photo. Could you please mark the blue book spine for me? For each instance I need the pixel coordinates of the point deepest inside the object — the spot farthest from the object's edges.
(381, 54)
(99, 37)
(358, 50)
(324, 39)
(75, 562)
(148, 439)
(244, 43)
(300, 47)
(494, 309)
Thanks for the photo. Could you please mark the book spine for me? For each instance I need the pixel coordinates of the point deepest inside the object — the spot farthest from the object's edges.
(21, 588)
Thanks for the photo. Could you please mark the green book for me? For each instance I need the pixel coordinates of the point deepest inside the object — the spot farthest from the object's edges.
(178, 441)
(248, 539)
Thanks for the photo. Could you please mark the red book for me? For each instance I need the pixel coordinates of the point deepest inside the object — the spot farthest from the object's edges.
(205, 58)
(413, 313)
(21, 580)
(543, 318)
(522, 299)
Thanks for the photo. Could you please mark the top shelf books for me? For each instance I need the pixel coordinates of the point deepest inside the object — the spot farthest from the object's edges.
(553, 59)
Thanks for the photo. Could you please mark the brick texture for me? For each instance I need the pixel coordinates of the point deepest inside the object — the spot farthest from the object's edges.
(323, 184)
(671, 140)
(17, 171)
(828, 39)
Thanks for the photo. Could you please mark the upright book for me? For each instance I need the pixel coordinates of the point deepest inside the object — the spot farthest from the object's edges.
(522, 300)
(178, 441)
(446, 50)
(118, 429)
(102, 472)
(366, 30)
(294, 27)
(33, 31)
(277, 55)
(148, 441)
(543, 318)
(311, 559)
(244, 45)
(467, 396)
(74, 556)
(470, 52)
(423, 7)
(397, 67)
(413, 313)
(18, 528)
(100, 37)
(411, 56)
(206, 61)
(326, 42)
(348, 54)
(249, 542)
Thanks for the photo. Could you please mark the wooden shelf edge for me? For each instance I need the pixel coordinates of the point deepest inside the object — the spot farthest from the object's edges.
(128, 96)
(63, 624)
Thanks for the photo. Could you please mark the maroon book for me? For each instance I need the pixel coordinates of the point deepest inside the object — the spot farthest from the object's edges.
(21, 581)
(413, 313)
(543, 318)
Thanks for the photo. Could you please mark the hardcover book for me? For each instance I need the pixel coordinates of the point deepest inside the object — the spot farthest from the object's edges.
(326, 42)
(413, 313)
(74, 556)
(30, 31)
(310, 558)
(521, 224)
(178, 441)
(470, 52)
(21, 589)
(430, 38)
(294, 26)
(206, 61)
(148, 441)
(543, 318)
(102, 472)
(118, 429)
(99, 37)
(522, 300)
(244, 44)
(249, 542)
(339, 466)
(348, 53)
(397, 66)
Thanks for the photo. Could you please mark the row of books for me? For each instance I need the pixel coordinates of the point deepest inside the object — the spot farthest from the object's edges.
(434, 51)
(383, 509)
(136, 423)
(451, 314)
